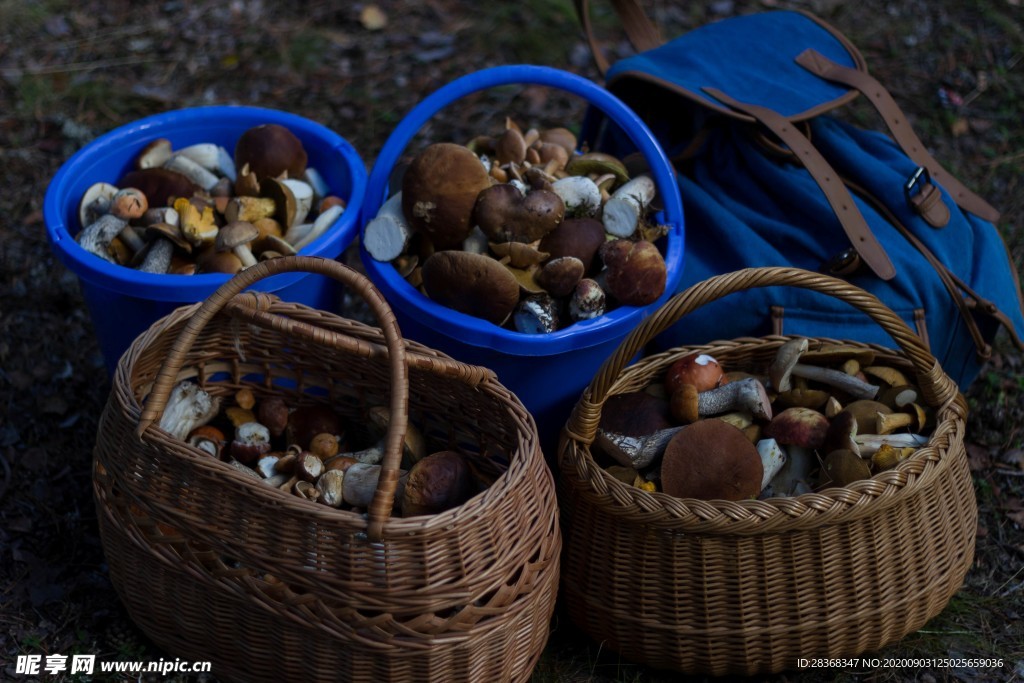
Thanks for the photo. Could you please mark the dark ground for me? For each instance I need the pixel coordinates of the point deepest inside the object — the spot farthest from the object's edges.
(71, 71)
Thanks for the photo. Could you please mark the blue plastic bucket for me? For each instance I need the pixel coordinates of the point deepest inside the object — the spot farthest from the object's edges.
(548, 372)
(124, 302)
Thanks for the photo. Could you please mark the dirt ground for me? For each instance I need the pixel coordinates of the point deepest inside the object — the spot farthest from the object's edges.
(72, 71)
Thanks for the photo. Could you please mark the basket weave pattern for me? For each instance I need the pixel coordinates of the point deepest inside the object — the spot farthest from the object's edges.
(749, 587)
(214, 565)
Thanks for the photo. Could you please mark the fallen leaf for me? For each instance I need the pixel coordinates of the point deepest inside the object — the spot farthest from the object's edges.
(1014, 457)
(373, 18)
(960, 127)
(978, 458)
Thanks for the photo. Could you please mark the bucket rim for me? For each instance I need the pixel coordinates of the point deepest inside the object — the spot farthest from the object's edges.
(167, 287)
(473, 331)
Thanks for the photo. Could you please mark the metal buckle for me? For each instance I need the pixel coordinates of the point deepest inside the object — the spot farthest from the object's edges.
(846, 262)
(915, 179)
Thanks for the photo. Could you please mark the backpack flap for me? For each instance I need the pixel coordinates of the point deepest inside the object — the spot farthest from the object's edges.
(751, 58)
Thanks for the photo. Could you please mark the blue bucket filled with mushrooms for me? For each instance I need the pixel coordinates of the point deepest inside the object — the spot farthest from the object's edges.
(160, 212)
(523, 250)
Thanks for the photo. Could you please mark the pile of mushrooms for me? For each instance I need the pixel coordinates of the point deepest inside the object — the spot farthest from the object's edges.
(814, 418)
(309, 451)
(522, 230)
(186, 211)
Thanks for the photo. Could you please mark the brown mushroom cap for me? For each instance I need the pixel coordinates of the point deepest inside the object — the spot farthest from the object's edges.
(698, 369)
(159, 185)
(711, 459)
(436, 483)
(579, 237)
(236, 234)
(635, 271)
(635, 413)
(798, 427)
(473, 284)
(439, 190)
(507, 215)
(270, 150)
(559, 276)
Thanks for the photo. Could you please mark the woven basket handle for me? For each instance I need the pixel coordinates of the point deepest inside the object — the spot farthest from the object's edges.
(936, 386)
(384, 497)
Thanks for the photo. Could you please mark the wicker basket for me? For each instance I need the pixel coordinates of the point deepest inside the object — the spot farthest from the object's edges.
(750, 587)
(213, 565)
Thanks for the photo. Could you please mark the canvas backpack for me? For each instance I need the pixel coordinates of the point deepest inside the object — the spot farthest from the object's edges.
(769, 178)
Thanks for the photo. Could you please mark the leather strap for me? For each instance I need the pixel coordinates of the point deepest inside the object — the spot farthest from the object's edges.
(853, 223)
(899, 126)
(640, 30)
(929, 205)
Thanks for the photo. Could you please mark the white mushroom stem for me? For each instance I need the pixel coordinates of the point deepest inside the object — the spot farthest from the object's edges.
(870, 443)
(387, 235)
(213, 158)
(191, 170)
(317, 182)
(131, 237)
(580, 194)
(746, 395)
(795, 471)
(188, 407)
(244, 254)
(158, 258)
(624, 209)
(476, 242)
(772, 459)
(96, 237)
(303, 194)
(360, 484)
(635, 451)
(836, 378)
(320, 226)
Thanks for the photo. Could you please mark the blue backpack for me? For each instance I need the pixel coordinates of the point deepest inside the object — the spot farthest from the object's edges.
(769, 179)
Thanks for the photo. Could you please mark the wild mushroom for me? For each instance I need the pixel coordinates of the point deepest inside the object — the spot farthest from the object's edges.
(236, 237)
(331, 487)
(285, 206)
(196, 220)
(711, 460)
(473, 284)
(578, 237)
(320, 225)
(536, 314)
(699, 369)
(587, 301)
(191, 170)
(772, 459)
(273, 413)
(507, 215)
(842, 468)
(249, 209)
(95, 202)
(786, 365)
(96, 237)
(251, 441)
(154, 154)
(439, 190)
(635, 272)
(360, 484)
(801, 427)
(597, 163)
(559, 276)
(159, 185)
(271, 150)
(308, 466)
(634, 413)
(626, 207)
(870, 443)
(635, 451)
(306, 422)
(387, 234)
(414, 445)
(438, 482)
(163, 239)
(580, 195)
(188, 407)
(208, 439)
(212, 157)
(746, 395)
